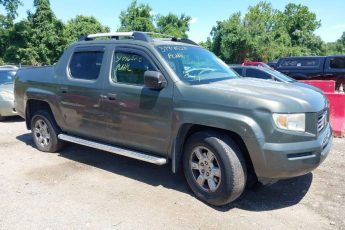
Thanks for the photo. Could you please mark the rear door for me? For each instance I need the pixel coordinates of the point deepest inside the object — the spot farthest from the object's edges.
(80, 91)
(137, 117)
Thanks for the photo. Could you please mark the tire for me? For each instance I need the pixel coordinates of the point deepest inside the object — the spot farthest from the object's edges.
(45, 132)
(226, 174)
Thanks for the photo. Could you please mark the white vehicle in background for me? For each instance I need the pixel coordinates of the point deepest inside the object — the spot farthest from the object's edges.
(7, 74)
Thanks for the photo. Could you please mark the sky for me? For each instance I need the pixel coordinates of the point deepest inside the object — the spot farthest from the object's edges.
(204, 13)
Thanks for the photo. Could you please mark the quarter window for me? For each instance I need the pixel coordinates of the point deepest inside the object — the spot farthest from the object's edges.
(86, 65)
(129, 68)
(337, 63)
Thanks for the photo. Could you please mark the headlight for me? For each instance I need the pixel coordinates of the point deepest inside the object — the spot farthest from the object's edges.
(6, 96)
(293, 122)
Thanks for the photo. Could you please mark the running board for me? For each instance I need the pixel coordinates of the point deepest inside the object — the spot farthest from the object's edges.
(116, 150)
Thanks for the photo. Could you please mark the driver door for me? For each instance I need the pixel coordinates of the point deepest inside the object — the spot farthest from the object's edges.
(137, 117)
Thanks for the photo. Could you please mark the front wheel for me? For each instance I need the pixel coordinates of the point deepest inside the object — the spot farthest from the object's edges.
(214, 167)
(45, 132)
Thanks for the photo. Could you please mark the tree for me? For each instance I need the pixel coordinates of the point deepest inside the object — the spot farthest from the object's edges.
(301, 24)
(229, 40)
(11, 7)
(264, 33)
(341, 40)
(207, 44)
(6, 23)
(137, 17)
(20, 49)
(39, 39)
(47, 33)
(82, 25)
(174, 25)
(338, 47)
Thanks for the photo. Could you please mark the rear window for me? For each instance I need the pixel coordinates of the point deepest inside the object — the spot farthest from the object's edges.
(86, 65)
(254, 73)
(300, 63)
(238, 70)
(337, 63)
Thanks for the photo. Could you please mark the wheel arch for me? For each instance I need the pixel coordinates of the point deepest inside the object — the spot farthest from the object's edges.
(188, 129)
(32, 106)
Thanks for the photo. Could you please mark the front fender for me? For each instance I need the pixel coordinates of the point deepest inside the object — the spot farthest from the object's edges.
(238, 123)
(244, 126)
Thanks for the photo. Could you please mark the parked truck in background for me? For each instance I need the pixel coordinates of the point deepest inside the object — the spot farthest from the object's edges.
(314, 68)
(168, 100)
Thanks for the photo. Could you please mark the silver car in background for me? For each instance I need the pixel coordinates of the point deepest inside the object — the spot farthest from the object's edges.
(7, 74)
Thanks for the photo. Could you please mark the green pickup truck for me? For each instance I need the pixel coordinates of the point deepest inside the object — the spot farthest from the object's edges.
(167, 100)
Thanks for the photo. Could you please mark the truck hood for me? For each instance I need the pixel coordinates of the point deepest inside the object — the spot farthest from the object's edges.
(274, 96)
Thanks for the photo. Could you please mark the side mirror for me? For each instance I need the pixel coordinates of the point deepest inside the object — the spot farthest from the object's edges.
(154, 80)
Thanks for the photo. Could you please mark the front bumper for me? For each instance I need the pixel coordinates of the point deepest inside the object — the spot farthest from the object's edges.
(285, 160)
(7, 108)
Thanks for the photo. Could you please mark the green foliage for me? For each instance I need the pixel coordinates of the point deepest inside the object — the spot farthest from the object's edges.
(264, 33)
(20, 37)
(82, 25)
(41, 38)
(47, 38)
(11, 7)
(338, 47)
(137, 17)
(173, 25)
(6, 23)
(207, 44)
(37, 40)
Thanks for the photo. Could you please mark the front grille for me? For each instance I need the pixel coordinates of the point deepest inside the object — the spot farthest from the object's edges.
(322, 120)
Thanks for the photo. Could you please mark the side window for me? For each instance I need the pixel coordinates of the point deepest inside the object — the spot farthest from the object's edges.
(337, 63)
(310, 62)
(257, 74)
(86, 64)
(301, 63)
(129, 68)
(287, 63)
(238, 70)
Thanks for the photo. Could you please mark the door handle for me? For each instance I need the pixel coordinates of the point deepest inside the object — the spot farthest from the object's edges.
(64, 89)
(109, 96)
(112, 96)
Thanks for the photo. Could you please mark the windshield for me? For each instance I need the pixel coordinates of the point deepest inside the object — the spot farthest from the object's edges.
(7, 76)
(279, 75)
(195, 65)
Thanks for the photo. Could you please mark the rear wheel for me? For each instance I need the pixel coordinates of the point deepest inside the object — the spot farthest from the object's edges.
(214, 167)
(45, 132)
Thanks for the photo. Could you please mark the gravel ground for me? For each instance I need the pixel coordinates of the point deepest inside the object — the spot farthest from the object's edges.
(83, 188)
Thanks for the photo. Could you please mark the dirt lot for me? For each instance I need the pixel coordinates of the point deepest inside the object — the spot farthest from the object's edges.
(82, 188)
